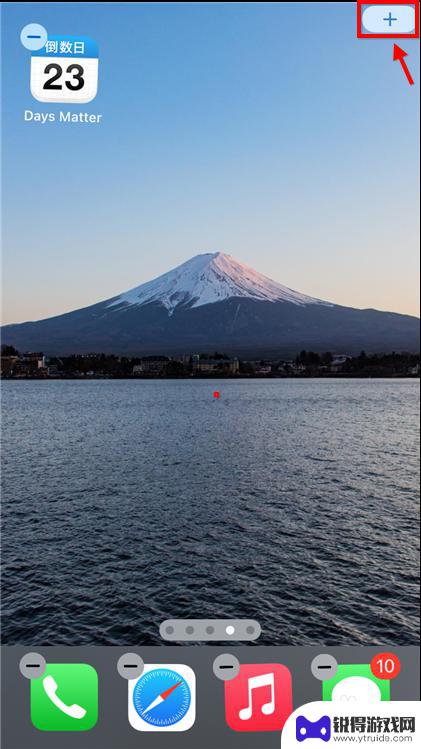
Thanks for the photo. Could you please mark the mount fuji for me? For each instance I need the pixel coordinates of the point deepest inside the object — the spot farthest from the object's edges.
(211, 302)
(210, 278)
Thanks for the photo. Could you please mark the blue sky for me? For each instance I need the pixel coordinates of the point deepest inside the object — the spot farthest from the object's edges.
(267, 131)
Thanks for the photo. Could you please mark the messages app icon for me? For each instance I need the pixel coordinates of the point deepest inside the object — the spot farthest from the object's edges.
(65, 698)
(356, 683)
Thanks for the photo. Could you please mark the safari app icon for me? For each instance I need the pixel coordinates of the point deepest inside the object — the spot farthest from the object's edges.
(163, 698)
(259, 698)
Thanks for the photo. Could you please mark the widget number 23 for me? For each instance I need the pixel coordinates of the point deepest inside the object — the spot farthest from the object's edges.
(65, 70)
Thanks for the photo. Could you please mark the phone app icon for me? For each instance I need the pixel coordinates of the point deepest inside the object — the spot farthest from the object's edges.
(163, 698)
(65, 698)
(355, 683)
(259, 698)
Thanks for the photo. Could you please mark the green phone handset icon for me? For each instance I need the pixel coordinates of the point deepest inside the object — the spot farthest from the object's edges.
(65, 698)
(73, 711)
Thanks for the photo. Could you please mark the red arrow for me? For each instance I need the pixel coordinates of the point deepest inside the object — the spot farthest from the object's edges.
(399, 54)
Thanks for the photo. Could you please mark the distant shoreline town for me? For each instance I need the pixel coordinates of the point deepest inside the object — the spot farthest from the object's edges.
(35, 365)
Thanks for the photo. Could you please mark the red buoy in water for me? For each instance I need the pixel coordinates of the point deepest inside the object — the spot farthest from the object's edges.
(216, 394)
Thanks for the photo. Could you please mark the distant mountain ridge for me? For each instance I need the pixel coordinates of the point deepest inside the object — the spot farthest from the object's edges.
(212, 301)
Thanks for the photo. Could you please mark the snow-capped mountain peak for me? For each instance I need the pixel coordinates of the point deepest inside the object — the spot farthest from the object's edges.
(209, 278)
(178, 313)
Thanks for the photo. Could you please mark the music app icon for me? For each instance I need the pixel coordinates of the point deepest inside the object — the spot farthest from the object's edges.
(259, 698)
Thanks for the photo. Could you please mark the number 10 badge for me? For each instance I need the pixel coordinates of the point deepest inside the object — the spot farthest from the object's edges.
(65, 70)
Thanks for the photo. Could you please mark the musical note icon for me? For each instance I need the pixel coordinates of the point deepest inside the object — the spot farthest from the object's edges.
(257, 682)
(259, 698)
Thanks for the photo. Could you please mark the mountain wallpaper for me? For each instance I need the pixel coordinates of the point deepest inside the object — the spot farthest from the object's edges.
(213, 302)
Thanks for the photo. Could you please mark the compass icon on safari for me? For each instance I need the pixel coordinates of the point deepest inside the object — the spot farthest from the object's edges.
(163, 698)
(259, 698)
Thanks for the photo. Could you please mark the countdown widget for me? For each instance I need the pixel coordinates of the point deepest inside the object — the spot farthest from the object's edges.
(65, 70)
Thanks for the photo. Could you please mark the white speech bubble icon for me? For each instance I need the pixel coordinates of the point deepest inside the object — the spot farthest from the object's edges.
(356, 689)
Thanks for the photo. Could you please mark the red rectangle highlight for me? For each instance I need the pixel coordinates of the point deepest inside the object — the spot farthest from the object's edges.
(397, 5)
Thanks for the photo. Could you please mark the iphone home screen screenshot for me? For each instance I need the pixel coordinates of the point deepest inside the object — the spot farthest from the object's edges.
(210, 368)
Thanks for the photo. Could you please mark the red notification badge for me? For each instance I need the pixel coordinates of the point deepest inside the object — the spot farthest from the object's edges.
(385, 666)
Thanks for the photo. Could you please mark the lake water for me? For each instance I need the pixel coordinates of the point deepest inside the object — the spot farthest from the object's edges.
(294, 502)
